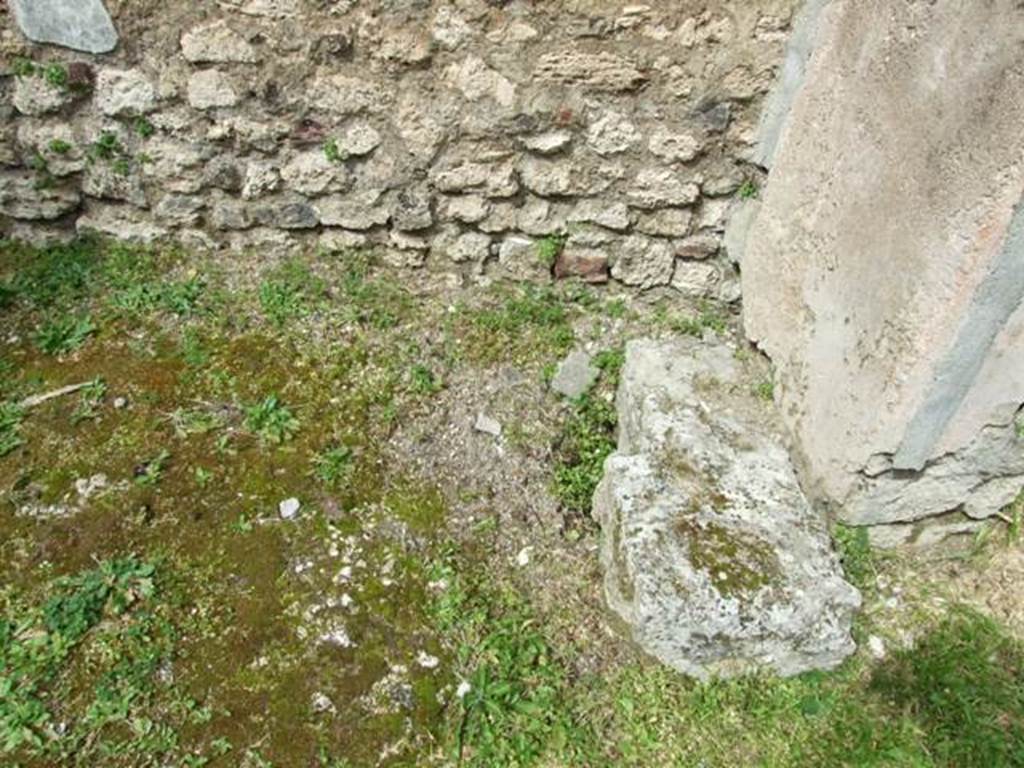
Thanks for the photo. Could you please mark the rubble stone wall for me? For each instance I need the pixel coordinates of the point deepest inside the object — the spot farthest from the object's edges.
(504, 138)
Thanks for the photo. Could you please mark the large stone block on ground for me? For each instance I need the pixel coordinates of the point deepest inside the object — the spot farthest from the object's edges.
(884, 272)
(711, 553)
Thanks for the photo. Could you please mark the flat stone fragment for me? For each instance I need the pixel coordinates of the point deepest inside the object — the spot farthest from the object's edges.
(711, 553)
(82, 25)
(598, 71)
(696, 279)
(487, 425)
(576, 374)
(655, 188)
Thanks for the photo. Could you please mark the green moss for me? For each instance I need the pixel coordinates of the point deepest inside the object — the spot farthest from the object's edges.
(424, 510)
(704, 490)
(736, 562)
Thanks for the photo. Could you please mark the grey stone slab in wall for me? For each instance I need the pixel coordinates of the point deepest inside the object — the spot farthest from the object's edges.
(790, 79)
(83, 25)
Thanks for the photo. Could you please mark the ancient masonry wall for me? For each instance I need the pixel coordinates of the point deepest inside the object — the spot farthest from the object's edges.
(599, 139)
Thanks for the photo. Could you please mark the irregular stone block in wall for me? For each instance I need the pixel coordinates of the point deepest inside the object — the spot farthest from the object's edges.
(600, 71)
(36, 96)
(216, 43)
(275, 9)
(120, 221)
(344, 95)
(478, 81)
(211, 88)
(22, 197)
(655, 188)
(124, 92)
(588, 264)
(83, 25)
(711, 552)
(644, 262)
(884, 271)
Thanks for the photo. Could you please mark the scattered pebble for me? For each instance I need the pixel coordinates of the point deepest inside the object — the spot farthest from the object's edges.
(337, 637)
(120, 403)
(487, 425)
(87, 486)
(289, 508)
(463, 689)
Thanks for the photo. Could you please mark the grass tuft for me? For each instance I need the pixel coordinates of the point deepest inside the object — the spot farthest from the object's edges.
(11, 415)
(856, 555)
(526, 324)
(588, 438)
(271, 420)
(64, 334)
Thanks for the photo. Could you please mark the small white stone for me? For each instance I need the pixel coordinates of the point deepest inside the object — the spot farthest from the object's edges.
(289, 508)
(523, 558)
(427, 661)
(463, 689)
(612, 133)
(361, 139)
